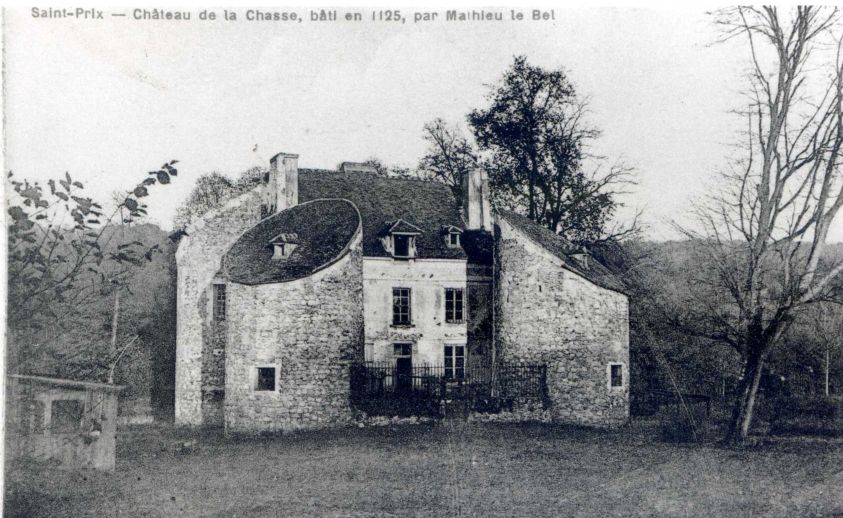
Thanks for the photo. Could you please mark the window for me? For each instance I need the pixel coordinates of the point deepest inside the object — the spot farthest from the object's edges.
(454, 305)
(400, 238)
(266, 379)
(454, 362)
(401, 307)
(219, 302)
(615, 375)
(282, 250)
(401, 245)
(402, 349)
(453, 240)
(66, 415)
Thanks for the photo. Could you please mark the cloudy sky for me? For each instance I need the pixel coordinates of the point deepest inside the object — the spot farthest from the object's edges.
(107, 100)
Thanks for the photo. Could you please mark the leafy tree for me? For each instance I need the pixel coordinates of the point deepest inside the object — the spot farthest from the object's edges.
(537, 140)
(759, 248)
(212, 190)
(64, 257)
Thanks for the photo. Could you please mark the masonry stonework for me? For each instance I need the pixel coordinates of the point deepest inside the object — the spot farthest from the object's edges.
(310, 330)
(198, 259)
(548, 314)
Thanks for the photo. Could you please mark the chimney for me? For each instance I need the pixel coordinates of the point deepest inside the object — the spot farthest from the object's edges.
(357, 167)
(283, 184)
(477, 208)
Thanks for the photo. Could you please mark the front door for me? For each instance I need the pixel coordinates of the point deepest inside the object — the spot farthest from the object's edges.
(404, 368)
(404, 372)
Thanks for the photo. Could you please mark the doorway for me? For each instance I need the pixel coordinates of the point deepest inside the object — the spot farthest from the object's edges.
(403, 353)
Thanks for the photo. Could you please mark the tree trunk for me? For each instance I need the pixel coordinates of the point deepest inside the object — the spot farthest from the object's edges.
(745, 403)
(114, 318)
(827, 360)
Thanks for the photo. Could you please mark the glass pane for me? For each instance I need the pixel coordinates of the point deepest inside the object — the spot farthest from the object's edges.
(449, 351)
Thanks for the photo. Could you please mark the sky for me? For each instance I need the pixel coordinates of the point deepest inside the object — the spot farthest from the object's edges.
(108, 100)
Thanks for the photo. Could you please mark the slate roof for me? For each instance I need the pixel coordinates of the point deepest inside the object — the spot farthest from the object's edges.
(382, 201)
(324, 229)
(564, 249)
(325, 222)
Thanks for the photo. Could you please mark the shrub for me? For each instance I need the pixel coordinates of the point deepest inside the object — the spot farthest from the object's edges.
(818, 415)
(680, 423)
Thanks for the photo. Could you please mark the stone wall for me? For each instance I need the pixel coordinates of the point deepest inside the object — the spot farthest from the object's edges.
(198, 261)
(310, 330)
(548, 314)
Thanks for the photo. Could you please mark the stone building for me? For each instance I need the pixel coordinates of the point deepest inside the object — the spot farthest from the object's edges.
(73, 423)
(282, 289)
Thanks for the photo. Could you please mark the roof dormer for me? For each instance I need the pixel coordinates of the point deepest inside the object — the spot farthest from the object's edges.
(400, 239)
(453, 236)
(283, 245)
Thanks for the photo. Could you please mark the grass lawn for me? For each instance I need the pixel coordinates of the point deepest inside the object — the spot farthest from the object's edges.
(448, 469)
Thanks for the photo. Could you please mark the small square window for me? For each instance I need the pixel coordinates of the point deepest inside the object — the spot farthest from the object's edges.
(453, 240)
(615, 375)
(266, 379)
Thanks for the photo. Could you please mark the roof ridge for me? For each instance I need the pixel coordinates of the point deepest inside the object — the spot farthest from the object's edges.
(372, 175)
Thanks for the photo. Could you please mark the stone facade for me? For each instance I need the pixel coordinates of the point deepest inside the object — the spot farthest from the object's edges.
(526, 306)
(198, 370)
(547, 314)
(309, 330)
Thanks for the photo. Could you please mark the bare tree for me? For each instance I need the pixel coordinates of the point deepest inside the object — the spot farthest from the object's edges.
(449, 157)
(764, 230)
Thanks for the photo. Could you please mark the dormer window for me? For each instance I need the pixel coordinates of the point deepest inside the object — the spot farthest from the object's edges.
(283, 246)
(400, 239)
(453, 236)
(581, 257)
(401, 245)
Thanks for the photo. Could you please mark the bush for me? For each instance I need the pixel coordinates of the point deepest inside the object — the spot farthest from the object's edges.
(680, 423)
(804, 415)
(800, 407)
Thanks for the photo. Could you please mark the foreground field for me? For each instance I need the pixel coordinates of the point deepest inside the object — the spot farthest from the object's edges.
(450, 469)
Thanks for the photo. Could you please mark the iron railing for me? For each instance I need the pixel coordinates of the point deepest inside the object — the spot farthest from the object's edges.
(385, 387)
